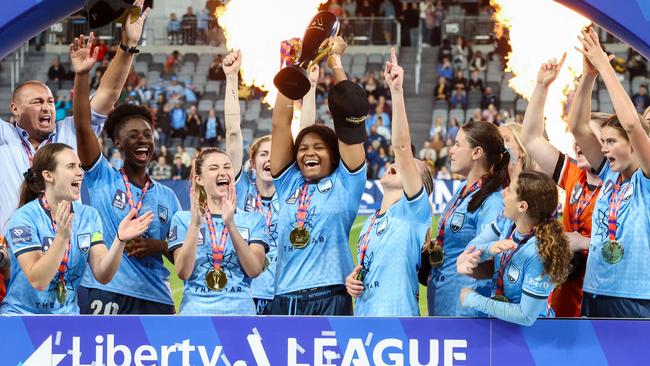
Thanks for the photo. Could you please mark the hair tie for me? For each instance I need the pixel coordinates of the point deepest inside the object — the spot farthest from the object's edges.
(29, 176)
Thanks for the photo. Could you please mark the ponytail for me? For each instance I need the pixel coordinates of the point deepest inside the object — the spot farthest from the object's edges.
(553, 249)
(34, 184)
(30, 189)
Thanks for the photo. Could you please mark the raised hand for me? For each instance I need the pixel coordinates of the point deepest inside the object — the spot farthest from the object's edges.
(468, 260)
(337, 45)
(228, 206)
(394, 73)
(502, 246)
(354, 286)
(82, 56)
(131, 226)
(314, 74)
(232, 63)
(132, 30)
(195, 207)
(549, 71)
(592, 50)
(63, 219)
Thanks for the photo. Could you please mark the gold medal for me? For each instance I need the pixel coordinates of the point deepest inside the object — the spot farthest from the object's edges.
(216, 279)
(61, 293)
(299, 237)
(501, 298)
(436, 255)
(361, 275)
(612, 251)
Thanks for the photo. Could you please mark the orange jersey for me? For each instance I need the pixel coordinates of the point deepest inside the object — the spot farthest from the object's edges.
(579, 196)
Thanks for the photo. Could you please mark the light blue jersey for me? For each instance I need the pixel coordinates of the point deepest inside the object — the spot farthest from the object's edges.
(445, 283)
(263, 286)
(393, 257)
(235, 298)
(630, 277)
(326, 260)
(29, 229)
(145, 278)
(525, 284)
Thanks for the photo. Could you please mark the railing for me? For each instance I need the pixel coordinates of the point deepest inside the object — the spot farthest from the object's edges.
(17, 63)
(478, 29)
(418, 60)
(370, 31)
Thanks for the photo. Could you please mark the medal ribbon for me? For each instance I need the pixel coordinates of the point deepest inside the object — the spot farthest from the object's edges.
(217, 249)
(268, 215)
(28, 149)
(365, 240)
(507, 256)
(614, 204)
(582, 204)
(303, 205)
(459, 200)
(129, 194)
(63, 266)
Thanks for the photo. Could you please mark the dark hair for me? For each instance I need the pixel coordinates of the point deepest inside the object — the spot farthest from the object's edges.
(124, 112)
(540, 192)
(34, 184)
(197, 169)
(615, 123)
(486, 135)
(25, 83)
(327, 135)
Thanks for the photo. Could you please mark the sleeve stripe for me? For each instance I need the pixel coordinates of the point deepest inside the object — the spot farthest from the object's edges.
(27, 249)
(494, 228)
(258, 241)
(97, 242)
(175, 246)
(415, 196)
(535, 296)
(560, 167)
(353, 171)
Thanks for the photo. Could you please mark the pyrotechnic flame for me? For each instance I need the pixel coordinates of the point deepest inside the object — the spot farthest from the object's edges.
(257, 28)
(539, 30)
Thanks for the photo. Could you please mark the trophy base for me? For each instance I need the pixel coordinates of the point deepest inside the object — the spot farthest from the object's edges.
(293, 82)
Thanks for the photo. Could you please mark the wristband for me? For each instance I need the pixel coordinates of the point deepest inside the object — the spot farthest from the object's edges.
(131, 50)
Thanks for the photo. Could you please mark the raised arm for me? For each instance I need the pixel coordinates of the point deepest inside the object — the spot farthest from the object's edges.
(623, 106)
(308, 113)
(115, 76)
(532, 133)
(82, 61)
(580, 112)
(234, 139)
(281, 141)
(338, 46)
(394, 75)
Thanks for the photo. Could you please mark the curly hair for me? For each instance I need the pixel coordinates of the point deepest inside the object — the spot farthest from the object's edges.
(124, 112)
(540, 192)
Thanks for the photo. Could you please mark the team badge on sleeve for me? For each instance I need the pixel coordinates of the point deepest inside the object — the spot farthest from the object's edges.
(163, 214)
(21, 234)
(83, 241)
(245, 233)
(173, 233)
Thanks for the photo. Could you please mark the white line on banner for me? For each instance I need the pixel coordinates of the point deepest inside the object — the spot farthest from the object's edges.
(368, 339)
(328, 333)
(57, 340)
(225, 360)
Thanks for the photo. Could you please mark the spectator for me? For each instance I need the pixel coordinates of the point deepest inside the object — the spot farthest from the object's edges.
(373, 136)
(453, 128)
(445, 69)
(216, 69)
(459, 97)
(438, 128)
(213, 130)
(194, 128)
(178, 119)
(190, 93)
(204, 21)
(56, 72)
(94, 81)
(335, 8)
(460, 54)
(370, 84)
(372, 154)
(438, 17)
(175, 91)
(365, 9)
(426, 21)
(410, 21)
(186, 159)
(173, 29)
(444, 51)
(385, 160)
(143, 92)
(478, 62)
(490, 114)
(387, 9)
(443, 173)
(350, 8)
(379, 114)
(116, 160)
(173, 62)
(459, 78)
(382, 129)
(489, 98)
(641, 99)
(133, 79)
(102, 50)
(63, 106)
(427, 153)
(179, 171)
(188, 26)
(163, 124)
(442, 90)
(161, 170)
(476, 116)
(475, 81)
(164, 153)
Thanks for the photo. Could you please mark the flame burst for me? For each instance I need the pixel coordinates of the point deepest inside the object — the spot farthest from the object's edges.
(257, 28)
(540, 30)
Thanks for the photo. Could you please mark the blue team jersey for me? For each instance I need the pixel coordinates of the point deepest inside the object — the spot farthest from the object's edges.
(145, 278)
(326, 260)
(263, 286)
(235, 298)
(525, 271)
(445, 283)
(29, 229)
(630, 277)
(393, 257)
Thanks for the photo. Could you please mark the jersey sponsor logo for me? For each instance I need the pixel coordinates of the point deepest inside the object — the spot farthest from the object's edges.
(250, 203)
(21, 234)
(83, 242)
(513, 273)
(381, 226)
(163, 214)
(119, 200)
(244, 232)
(294, 197)
(201, 238)
(537, 282)
(457, 222)
(325, 186)
(575, 195)
(628, 191)
(173, 234)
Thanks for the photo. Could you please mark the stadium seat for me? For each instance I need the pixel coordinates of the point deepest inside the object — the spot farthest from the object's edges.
(191, 57)
(457, 113)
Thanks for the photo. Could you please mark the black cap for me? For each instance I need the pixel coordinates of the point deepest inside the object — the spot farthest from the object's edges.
(348, 105)
(101, 12)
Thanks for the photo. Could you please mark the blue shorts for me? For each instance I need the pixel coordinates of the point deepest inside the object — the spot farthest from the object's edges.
(601, 306)
(330, 300)
(99, 302)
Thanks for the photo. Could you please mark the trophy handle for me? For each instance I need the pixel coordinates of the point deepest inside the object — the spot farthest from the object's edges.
(319, 56)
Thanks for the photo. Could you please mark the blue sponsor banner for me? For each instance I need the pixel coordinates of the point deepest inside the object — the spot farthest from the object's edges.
(302, 341)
